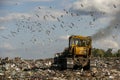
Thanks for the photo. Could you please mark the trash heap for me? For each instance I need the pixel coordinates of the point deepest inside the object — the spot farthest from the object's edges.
(40, 69)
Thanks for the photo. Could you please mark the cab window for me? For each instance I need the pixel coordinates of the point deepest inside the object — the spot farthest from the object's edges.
(78, 42)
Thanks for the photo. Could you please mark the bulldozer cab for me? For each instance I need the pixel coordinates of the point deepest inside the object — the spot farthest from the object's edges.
(79, 41)
(80, 45)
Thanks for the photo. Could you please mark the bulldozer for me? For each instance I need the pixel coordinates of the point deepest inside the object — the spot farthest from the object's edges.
(77, 55)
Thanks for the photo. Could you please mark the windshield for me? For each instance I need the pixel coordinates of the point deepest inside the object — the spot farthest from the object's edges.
(78, 42)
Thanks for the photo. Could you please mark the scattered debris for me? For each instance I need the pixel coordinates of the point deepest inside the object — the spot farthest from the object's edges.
(40, 69)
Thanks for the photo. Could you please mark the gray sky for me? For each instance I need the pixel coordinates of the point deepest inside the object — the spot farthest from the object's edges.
(40, 28)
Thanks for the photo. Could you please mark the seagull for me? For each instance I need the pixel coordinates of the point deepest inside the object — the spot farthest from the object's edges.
(22, 43)
(54, 26)
(72, 14)
(65, 11)
(58, 19)
(72, 24)
(52, 16)
(82, 5)
(63, 22)
(13, 33)
(44, 17)
(4, 37)
(37, 15)
(38, 24)
(50, 7)
(35, 40)
(48, 32)
(61, 15)
(39, 30)
(18, 29)
(114, 6)
(39, 7)
(61, 25)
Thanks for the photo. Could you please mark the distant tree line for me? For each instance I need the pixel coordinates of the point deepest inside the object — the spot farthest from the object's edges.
(102, 53)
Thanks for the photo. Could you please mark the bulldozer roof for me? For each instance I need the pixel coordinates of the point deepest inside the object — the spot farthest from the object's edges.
(80, 37)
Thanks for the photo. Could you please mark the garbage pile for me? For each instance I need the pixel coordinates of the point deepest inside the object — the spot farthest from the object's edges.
(40, 69)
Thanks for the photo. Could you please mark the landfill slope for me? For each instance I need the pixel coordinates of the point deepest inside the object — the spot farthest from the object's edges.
(40, 69)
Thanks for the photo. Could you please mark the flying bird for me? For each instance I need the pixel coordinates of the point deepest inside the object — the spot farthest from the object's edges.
(114, 5)
(50, 7)
(44, 17)
(65, 11)
(53, 16)
(61, 26)
(72, 14)
(13, 33)
(82, 5)
(58, 19)
(39, 7)
(61, 15)
(63, 22)
(48, 32)
(4, 37)
(72, 24)
(37, 15)
(54, 26)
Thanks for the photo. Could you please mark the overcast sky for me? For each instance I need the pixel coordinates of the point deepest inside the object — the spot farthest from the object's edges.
(40, 28)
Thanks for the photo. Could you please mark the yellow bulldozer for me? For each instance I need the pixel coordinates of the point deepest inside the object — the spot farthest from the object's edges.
(77, 55)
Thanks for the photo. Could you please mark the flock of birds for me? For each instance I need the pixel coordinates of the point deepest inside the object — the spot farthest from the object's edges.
(37, 27)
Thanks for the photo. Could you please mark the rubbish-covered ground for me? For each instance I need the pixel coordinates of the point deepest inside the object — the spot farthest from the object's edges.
(21, 69)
